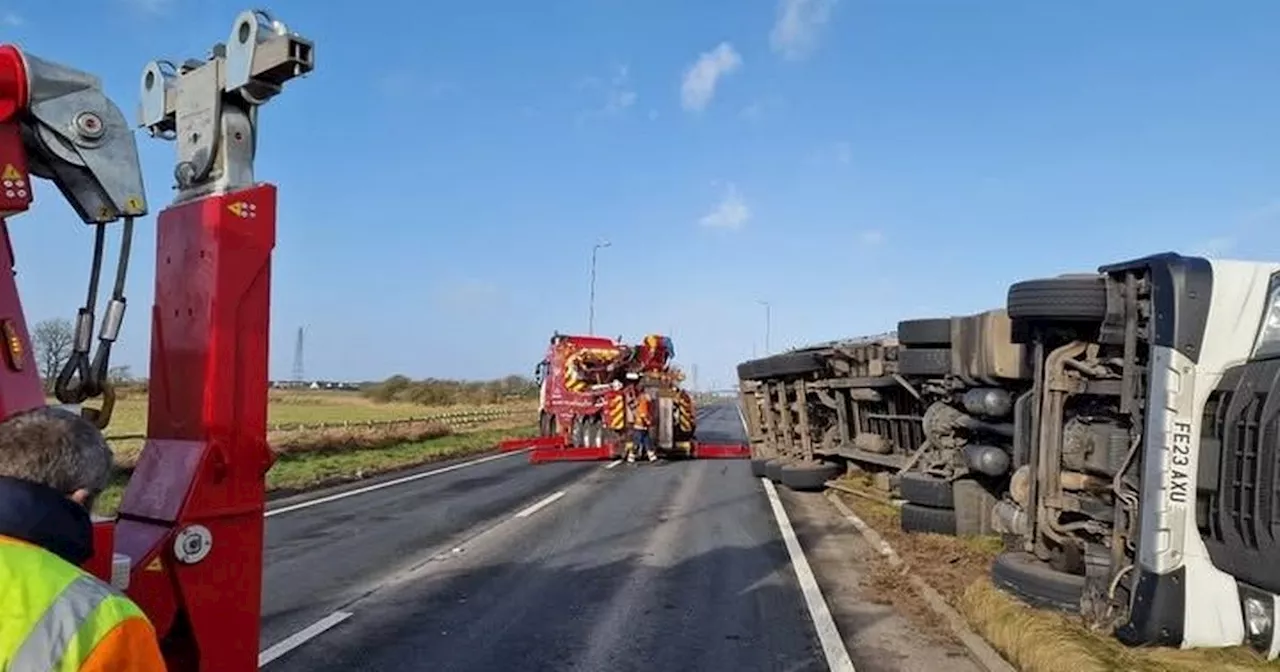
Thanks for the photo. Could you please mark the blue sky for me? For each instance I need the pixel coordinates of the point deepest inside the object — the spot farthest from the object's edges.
(446, 170)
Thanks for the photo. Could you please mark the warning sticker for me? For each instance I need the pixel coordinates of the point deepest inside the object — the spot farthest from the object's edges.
(243, 209)
(155, 565)
(11, 173)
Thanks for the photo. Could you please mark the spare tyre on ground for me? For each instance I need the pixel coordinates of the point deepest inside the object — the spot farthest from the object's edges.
(805, 476)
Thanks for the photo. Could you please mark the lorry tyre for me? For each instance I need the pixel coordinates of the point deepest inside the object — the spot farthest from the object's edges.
(544, 424)
(757, 466)
(927, 333)
(974, 505)
(927, 519)
(1036, 583)
(1064, 299)
(918, 488)
(809, 476)
(773, 469)
(931, 362)
(786, 365)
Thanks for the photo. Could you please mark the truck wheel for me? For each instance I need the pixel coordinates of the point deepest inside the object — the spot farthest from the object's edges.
(927, 519)
(918, 488)
(544, 424)
(782, 366)
(757, 466)
(930, 362)
(773, 469)
(928, 333)
(1036, 583)
(809, 476)
(1065, 299)
(974, 506)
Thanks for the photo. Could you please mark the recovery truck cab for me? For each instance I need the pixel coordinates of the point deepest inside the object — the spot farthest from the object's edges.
(588, 385)
(1146, 492)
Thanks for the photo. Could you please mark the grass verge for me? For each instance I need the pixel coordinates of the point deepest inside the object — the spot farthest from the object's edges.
(299, 471)
(1031, 639)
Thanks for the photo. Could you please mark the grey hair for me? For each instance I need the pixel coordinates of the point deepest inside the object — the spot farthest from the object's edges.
(56, 448)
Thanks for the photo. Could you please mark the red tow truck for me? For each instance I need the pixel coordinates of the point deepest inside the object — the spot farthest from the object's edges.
(588, 385)
(187, 543)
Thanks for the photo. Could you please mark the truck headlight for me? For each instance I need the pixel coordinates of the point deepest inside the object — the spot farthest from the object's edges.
(1268, 342)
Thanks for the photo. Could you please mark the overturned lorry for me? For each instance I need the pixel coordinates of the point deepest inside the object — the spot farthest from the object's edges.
(928, 411)
(1146, 487)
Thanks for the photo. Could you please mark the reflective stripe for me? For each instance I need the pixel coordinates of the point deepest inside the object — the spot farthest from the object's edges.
(58, 626)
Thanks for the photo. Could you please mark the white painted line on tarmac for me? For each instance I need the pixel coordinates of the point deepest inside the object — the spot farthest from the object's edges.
(543, 503)
(301, 637)
(613, 464)
(387, 484)
(833, 648)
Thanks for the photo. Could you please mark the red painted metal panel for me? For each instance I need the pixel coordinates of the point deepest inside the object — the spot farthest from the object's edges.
(206, 454)
(541, 455)
(511, 445)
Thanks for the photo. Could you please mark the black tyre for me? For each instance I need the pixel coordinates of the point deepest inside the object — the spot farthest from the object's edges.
(780, 366)
(931, 332)
(926, 519)
(773, 469)
(757, 466)
(544, 424)
(809, 476)
(1036, 583)
(1066, 299)
(974, 505)
(924, 361)
(918, 488)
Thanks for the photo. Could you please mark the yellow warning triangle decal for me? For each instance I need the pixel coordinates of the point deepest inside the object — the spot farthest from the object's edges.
(10, 173)
(155, 565)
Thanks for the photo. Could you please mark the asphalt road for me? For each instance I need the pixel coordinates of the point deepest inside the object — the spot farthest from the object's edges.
(587, 566)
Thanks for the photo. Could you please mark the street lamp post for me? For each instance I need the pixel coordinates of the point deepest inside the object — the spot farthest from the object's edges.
(767, 322)
(591, 316)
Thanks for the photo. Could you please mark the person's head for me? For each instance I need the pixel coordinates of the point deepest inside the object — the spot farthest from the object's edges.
(58, 449)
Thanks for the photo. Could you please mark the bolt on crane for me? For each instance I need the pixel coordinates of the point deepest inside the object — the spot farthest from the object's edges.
(187, 542)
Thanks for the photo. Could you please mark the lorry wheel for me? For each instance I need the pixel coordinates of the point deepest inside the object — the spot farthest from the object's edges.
(773, 469)
(974, 506)
(1068, 299)
(930, 362)
(809, 476)
(927, 519)
(784, 365)
(1036, 583)
(928, 333)
(544, 424)
(757, 466)
(918, 488)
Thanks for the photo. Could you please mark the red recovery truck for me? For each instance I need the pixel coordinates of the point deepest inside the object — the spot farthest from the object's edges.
(588, 387)
(187, 543)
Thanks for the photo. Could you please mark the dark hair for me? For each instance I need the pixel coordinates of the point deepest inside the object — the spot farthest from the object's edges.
(56, 448)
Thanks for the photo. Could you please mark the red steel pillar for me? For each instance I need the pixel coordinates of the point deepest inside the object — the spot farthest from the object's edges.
(191, 520)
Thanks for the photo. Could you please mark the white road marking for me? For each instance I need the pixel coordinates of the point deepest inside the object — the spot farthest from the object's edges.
(833, 648)
(301, 637)
(545, 502)
(387, 484)
(613, 464)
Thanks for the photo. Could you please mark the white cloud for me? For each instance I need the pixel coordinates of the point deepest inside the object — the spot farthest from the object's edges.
(699, 85)
(795, 33)
(871, 237)
(11, 19)
(617, 92)
(731, 213)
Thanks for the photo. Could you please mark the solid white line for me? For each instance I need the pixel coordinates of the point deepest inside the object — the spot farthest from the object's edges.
(613, 464)
(301, 637)
(546, 501)
(388, 484)
(833, 648)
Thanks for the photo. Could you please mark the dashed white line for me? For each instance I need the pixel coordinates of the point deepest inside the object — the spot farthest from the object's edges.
(833, 648)
(387, 484)
(613, 464)
(541, 504)
(301, 637)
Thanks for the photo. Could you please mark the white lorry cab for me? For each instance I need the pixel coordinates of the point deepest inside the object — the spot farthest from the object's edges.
(1146, 462)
